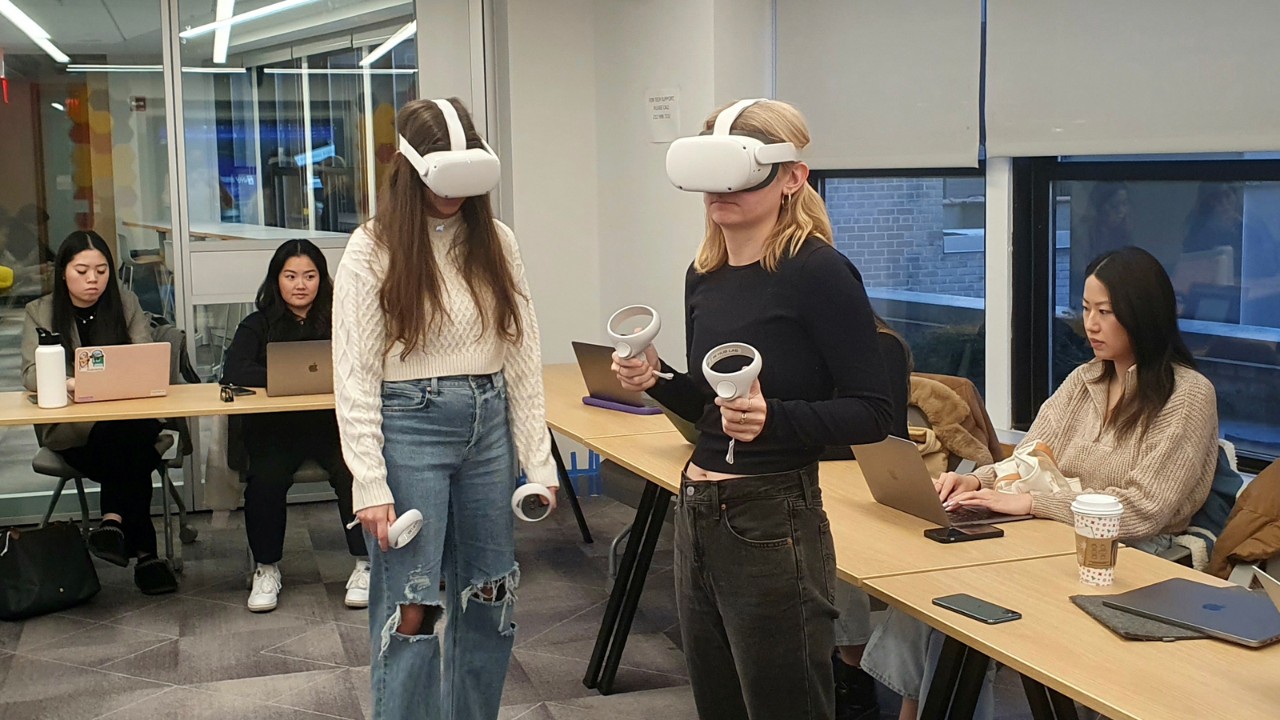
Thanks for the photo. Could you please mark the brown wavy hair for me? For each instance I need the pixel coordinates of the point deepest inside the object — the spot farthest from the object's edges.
(411, 291)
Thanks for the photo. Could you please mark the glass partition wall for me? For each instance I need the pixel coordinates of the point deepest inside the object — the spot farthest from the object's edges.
(287, 126)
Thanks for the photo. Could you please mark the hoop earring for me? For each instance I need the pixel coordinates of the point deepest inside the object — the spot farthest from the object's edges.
(786, 200)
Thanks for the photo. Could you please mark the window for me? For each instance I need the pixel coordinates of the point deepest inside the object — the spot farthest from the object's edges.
(919, 243)
(1215, 227)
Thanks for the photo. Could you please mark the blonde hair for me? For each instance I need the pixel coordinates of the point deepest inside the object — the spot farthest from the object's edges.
(803, 215)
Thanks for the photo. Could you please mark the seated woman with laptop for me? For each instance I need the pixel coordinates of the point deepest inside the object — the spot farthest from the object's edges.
(295, 304)
(1138, 423)
(89, 308)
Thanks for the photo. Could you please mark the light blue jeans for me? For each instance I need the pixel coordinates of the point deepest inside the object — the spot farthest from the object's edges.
(449, 453)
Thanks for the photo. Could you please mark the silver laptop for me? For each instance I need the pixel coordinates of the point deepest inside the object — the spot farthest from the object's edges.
(1233, 613)
(596, 364)
(299, 368)
(898, 478)
(1270, 584)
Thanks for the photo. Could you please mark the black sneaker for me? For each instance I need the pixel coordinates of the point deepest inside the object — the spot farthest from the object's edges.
(153, 576)
(855, 692)
(107, 542)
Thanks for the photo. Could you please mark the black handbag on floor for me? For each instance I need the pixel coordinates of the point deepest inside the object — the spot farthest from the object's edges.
(43, 570)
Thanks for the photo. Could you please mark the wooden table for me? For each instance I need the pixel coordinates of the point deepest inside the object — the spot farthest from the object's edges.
(567, 415)
(235, 231)
(1058, 645)
(182, 401)
(872, 540)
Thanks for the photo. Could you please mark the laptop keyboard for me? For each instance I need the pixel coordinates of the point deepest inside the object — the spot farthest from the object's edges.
(968, 515)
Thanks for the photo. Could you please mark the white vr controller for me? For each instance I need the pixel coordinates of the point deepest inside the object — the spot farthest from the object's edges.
(732, 384)
(735, 384)
(527, 502)
(628, 343)
(404, 529)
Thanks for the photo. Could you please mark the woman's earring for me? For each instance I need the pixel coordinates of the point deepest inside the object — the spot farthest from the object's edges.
(786, 200)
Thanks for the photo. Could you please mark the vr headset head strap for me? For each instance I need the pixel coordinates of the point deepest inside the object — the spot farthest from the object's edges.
(725, 120)
(457, 135)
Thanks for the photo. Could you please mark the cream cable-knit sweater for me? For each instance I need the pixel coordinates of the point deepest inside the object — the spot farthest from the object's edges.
(1161, 478)
(360, 366)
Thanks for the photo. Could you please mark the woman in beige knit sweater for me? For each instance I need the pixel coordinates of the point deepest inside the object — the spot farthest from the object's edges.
(1138, 422)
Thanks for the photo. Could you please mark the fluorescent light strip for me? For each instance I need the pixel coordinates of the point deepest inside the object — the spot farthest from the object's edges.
(32, 29)
(222, 36)
(151, 68)
(338, 71)
(400, 36)
(242, 17)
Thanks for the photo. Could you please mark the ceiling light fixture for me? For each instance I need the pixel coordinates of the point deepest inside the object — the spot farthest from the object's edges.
(32, 30)
(400, 36)
(222, 36)
(338, 71)
(241, 18)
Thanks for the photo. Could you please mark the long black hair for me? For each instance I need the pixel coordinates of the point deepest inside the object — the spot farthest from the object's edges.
(1142, 299)
(282, 324)
(110, 326)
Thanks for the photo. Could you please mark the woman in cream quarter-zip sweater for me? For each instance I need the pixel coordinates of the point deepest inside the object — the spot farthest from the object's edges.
(438, 387)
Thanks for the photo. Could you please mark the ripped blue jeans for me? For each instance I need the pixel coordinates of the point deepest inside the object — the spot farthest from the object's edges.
(449, 453)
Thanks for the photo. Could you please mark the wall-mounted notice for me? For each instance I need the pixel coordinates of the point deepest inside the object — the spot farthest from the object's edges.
(663, 108)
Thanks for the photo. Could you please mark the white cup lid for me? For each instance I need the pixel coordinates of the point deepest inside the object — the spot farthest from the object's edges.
(1097, 505)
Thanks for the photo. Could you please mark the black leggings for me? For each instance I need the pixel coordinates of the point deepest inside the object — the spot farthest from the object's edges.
(278, 444)
(120, 456)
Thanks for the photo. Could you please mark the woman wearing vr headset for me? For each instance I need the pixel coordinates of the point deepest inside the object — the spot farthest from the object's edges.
(755, 565)
(437, 379)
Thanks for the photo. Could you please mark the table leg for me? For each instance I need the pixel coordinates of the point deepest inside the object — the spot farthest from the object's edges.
(647, 500)
(1047, 704)
(566, 486)
(972, 673)
(957, 682)
(634, 588)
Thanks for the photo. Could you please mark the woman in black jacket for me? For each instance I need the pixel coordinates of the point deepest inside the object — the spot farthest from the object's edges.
(294, 303)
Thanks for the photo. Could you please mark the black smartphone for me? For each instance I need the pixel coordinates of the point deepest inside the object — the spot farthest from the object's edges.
(980, 610)
(964, 533)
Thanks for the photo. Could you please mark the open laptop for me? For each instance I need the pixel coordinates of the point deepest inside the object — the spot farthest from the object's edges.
(1233, 613)
(898, 478)
(299, 368)
(121, 372)
(603, 388)
(1270, 584)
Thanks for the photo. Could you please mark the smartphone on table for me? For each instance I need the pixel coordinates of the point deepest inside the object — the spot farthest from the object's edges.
(963, 533)
(976, 608)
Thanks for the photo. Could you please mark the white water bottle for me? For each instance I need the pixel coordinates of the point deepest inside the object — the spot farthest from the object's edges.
(51, 372)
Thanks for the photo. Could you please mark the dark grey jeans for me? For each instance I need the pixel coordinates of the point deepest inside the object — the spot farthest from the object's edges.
(755, 588)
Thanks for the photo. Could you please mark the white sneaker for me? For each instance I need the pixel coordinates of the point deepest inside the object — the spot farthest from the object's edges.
(358, 586)
(266, 588)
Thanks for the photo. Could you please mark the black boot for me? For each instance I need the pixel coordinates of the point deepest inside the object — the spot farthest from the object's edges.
(855, 692)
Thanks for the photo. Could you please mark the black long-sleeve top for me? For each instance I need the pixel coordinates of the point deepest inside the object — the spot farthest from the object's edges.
(893, 351)
(822, 375)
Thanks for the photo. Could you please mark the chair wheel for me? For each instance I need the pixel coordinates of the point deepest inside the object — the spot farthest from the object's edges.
(188, 534)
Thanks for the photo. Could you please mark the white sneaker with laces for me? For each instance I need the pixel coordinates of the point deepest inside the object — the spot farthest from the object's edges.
(266, 588)
(358, 586)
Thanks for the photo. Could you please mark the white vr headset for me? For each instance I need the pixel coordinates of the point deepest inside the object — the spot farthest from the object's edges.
(724, 162)
(456, 172)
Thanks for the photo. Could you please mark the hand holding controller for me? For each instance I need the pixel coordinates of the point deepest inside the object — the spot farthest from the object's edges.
(404, 529)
